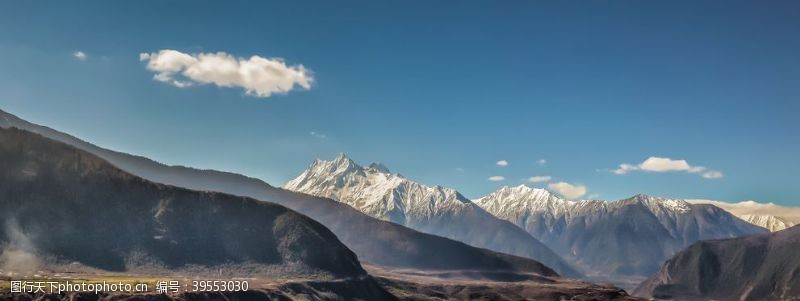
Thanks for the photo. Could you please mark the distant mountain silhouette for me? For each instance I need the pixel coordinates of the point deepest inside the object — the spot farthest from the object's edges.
(625, 238)
(756, 267)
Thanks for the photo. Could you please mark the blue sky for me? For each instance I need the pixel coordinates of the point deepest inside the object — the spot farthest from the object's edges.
(437, 90)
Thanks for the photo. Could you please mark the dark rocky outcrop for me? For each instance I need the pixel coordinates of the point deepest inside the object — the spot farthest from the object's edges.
(756, 267)
(65, 205)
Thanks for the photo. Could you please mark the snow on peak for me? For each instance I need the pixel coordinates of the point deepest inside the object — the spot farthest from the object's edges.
(769, 222)
(528, 193)
(376, 191)
(522, 204)
(658, 204)
(524, 189)
(340, 165)
(520, 200)
(344, 160)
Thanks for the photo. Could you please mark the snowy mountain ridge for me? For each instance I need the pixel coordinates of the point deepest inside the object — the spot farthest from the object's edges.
(437, 210)
(376, 191)
(630, 237)
(769, 222)
(515, 202)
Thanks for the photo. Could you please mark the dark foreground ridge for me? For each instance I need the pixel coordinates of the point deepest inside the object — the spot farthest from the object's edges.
(64, 209)
(61, 204)
(756, 267)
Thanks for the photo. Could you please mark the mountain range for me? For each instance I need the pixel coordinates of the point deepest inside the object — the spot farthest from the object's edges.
(59, 201)
(757, 267)
(63, 208)
(379, 193)
(630, 237)
(766, 215)
(374, 241)
(371, 211)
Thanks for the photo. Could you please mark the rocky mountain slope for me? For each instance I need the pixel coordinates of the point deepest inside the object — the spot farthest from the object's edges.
(376, 191)
(630, 237)
(756, 267)
(766, 215)
(59, 204)
(769, 222)
(375, 241)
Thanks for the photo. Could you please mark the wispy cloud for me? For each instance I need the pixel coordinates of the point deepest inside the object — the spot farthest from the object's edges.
(318, 135)
(712, 174)
(80, 55)
(542, 162)
(258, 76)
(502, 163)
(567, 190)
(539, 179)
(659, 164)
(496, 178)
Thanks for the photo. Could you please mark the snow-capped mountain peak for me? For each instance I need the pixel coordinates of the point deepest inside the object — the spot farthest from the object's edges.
(658, 204)
(340, 165)
(526, 193)
(374, 189)
(523, 199)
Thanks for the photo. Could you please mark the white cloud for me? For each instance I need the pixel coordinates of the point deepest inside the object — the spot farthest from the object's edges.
(659, 164)
(568, 190)
(258, 76)
(539, 179)
(318, 135)
(712, 174)
(625, 168)
(80, 55)
(502, 163)
(542, 161)
(496, 178)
